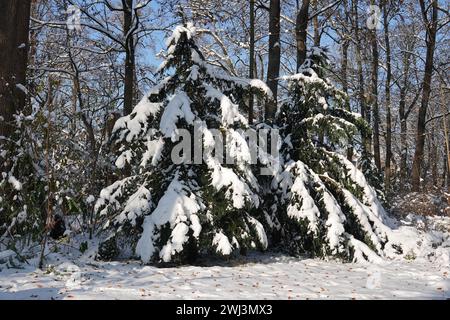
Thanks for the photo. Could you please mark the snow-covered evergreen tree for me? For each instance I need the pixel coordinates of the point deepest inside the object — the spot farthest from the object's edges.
(165, 211)
(324, 203)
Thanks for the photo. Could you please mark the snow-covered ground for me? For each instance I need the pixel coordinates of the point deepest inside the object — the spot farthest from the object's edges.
(421, 272)
(260, 277)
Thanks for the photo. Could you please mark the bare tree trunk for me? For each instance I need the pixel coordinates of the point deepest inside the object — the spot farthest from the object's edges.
(403, 140)
(374, 97)
(129, 56)
(403, 114)
(14, 33)
(387, 170)
(32, 51)
(301, 27)
(366, 143)
(316, 26)
(273, 67)
(433, 158)
(252, 57)
(344, 70)
(444, 172)
(316, 31)
(431, 27)
(447, 143)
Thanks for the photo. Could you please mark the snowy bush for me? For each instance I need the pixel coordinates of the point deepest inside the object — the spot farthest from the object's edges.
(22, 185)
(41, 168)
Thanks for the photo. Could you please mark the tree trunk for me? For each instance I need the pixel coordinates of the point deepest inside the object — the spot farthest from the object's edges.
(129, 56)
(366, 144)
(403, 117)
(32, 52)
(252, 57)
(431, 27)
(447, 143)
(444, 172)
(344, 70)
(403, 137)
(301, 26)
(387, 170)
(374, 97)
(316, 31)
(273, 67)
(433, 158)
(14, 33)
(315, 21)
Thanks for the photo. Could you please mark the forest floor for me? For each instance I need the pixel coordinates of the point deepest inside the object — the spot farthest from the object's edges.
(70, 274)
(260, 277)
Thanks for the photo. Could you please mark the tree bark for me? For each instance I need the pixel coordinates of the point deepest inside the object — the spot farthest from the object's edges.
(403, 114)
(431, 27)
(403, 140)
(387, 170)
(447, 143)
(345, 40)
(130, 65)
(365, 113)
(315, 22)
(433, 158)
(14, 33)
(374, 97)
(32, 52)
(252, 57)
(273, 67)
(301, 26)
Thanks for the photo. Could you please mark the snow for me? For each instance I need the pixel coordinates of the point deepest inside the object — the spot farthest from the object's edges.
(362, 252)
(296, 183)
(176, 244)
(237, 190)
(109, 195)
(260, 232)
(306, 75)
(230, 111)
(194, 73)
(303, 206)
(90, 199)
(307, 209)
(15, 183)
(178, 108)
(6, 254)
(177, 208)
(222, 244)
(123, 159)
(153, 152)
(137, 205)
(334, 222)
(136, 123)
(369, 193)
(238, 148)
(22, 88)
(189, 29)
(255, 277)
(22, 216)
(365, 218)
(220, 75)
